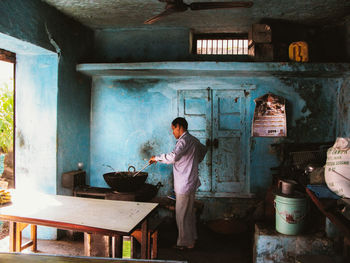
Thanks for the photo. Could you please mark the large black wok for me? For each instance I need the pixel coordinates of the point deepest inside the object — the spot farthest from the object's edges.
(125, 181)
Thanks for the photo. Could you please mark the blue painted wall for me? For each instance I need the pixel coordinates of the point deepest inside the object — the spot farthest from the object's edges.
(53, 110)
(142, 44)
(343, 102)
(311, 104)
(131, 118)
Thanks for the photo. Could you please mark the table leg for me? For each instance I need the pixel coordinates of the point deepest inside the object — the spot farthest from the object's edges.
(12, 234)
(144, 239)
(133, 247)
(96, 245)
(154, 245)
(19, 228)
(33, 237)
(117, 247)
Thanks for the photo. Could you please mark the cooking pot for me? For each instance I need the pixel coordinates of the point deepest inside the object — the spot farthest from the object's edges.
(286, 186)
(125, 181)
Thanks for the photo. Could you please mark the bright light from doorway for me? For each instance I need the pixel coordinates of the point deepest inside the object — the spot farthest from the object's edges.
(6, 123)
(6, 73)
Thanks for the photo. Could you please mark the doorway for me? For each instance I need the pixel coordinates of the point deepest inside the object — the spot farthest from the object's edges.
(218, 118)
(7, 119)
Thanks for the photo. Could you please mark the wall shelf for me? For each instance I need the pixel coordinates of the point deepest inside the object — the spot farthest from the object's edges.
(214, 69)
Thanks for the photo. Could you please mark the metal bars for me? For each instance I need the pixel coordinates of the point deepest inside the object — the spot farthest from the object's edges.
(222, 46)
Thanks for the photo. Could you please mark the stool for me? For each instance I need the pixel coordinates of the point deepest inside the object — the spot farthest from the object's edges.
(152, 235)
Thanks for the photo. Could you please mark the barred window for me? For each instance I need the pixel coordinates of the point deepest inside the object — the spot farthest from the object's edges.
(212, 44)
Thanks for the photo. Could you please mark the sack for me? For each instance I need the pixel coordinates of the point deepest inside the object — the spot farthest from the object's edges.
(337, 168)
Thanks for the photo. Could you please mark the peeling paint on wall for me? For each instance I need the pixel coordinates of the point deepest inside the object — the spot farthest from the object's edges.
(317, 111)
(343, 109)
(315, 105)
(136, 113)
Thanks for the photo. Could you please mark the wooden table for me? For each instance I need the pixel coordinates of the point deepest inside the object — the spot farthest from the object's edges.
(92, 216)
(327, 207)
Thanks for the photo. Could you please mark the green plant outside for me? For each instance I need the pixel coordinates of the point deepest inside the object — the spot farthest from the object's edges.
(6, 117)
(126, 249)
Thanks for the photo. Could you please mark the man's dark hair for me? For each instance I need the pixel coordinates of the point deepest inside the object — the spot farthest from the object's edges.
(181, 121)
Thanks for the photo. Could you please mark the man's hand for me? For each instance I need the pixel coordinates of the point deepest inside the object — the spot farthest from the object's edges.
(152, 160)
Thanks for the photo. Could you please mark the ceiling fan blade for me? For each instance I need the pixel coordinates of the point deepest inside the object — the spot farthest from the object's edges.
(217, 5)
(159, 16)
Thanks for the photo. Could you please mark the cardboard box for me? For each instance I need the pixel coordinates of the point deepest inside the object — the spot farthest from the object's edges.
(261, 52)
(259, 33)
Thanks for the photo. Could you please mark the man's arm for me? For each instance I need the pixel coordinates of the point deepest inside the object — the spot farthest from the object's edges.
(172, 157)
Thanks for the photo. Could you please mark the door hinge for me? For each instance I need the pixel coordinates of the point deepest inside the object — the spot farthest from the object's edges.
(208, 89)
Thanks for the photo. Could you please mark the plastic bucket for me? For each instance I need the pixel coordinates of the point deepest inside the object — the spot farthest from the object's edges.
(290, 214)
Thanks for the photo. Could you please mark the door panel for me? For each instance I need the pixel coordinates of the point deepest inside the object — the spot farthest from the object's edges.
(220, 116)
(228, 158)
(195, 107)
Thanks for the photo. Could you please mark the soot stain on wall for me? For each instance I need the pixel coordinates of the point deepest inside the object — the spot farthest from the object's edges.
(313, 126)
(148, 149)
(136, 86)
(343, 108)
(20, 139)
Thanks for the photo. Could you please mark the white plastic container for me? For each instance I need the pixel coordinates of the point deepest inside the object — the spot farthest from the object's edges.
(337, 168)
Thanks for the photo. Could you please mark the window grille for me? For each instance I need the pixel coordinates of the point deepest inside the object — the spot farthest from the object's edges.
(221, 46)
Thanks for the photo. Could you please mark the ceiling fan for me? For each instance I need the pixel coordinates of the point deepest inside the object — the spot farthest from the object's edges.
(175, 6)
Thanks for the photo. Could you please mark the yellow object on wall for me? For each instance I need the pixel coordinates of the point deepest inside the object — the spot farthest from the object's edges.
(298, 51)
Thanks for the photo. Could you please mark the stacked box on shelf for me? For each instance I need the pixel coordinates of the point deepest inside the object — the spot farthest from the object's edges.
(260, 46)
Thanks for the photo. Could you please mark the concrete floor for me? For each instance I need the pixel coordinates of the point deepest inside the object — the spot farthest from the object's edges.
(211, 247)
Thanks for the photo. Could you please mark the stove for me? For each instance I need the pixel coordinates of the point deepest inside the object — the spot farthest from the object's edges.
(75, 180)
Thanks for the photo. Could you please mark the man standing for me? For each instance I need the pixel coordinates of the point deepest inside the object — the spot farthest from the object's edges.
(185, 157)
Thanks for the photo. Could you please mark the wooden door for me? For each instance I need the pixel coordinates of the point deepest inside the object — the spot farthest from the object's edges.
(195, 106)
(220, 117)
(229, 141)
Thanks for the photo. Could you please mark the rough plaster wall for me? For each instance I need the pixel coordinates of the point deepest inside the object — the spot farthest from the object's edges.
(36, 127)
(343, 109)
(270, 246)
(130, 122)
(132, 13)
(131, 116)
(25, 20)
(347, 36)
(142, 44)
(39, 24)
(36, 123)
(344, 95)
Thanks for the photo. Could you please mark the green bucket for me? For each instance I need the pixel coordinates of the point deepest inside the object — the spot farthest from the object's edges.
(290, 214)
